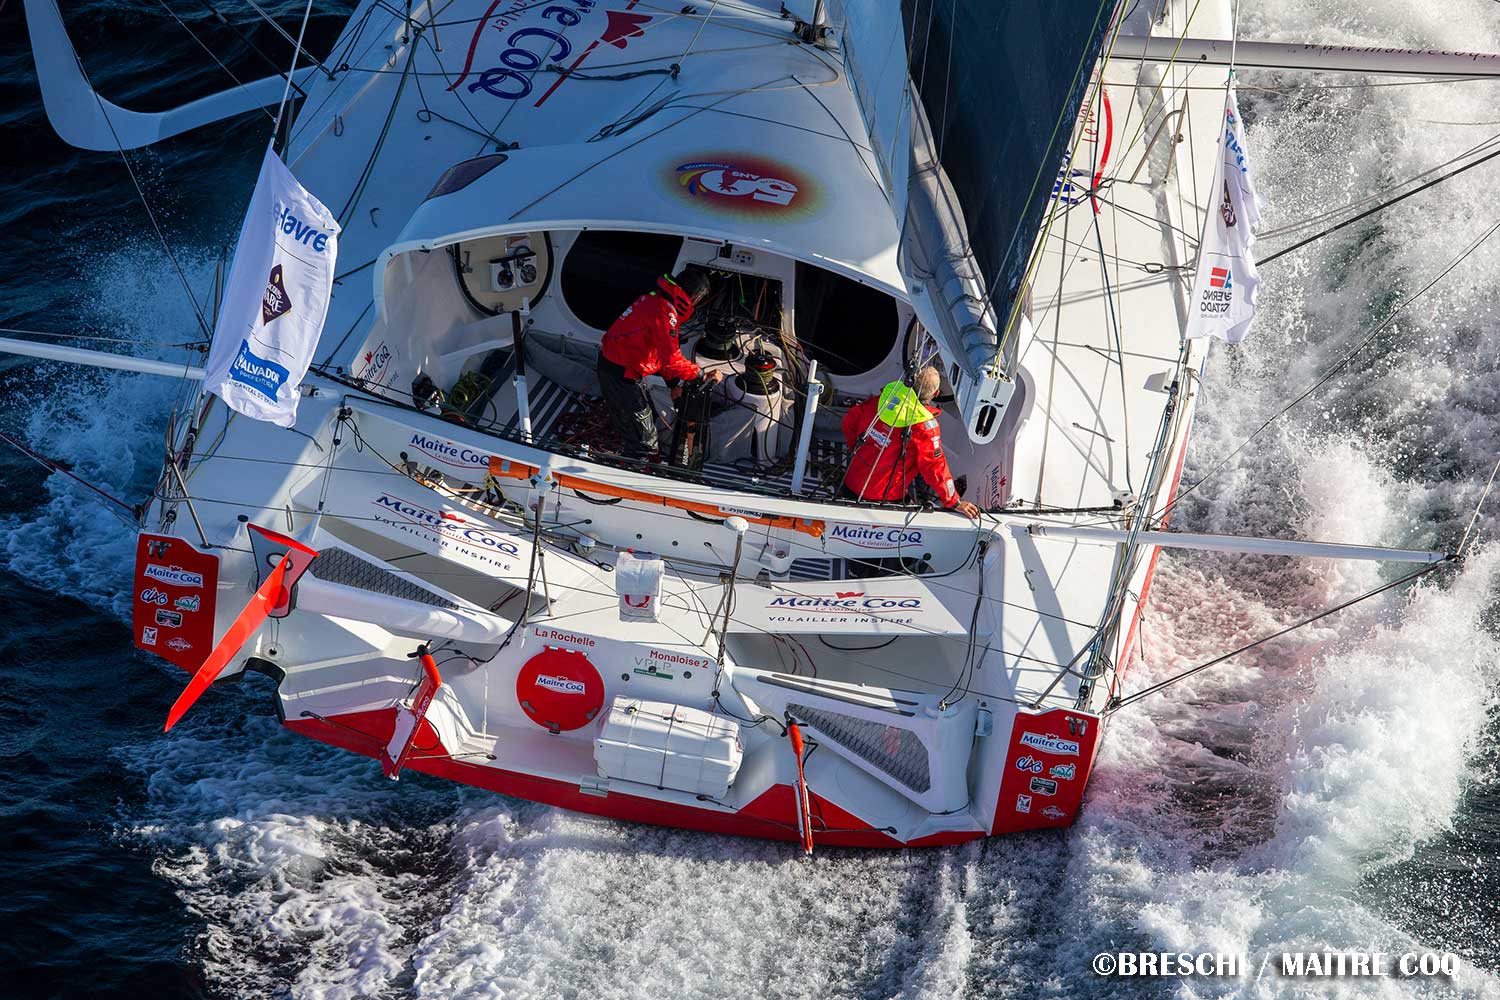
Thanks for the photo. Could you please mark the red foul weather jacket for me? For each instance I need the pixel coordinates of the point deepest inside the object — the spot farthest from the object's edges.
(873, 465)
(643, 340)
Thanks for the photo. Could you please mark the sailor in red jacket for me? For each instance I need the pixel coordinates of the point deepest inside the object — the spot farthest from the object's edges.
(643, 342)
(894, 436)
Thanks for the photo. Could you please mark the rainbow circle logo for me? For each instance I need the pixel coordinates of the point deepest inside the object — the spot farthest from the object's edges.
(745, 185)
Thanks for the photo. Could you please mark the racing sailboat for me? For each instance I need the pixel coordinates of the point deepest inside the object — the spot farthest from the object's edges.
(447, 565)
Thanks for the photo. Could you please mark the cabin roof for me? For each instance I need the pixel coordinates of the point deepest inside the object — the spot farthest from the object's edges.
(725, 127)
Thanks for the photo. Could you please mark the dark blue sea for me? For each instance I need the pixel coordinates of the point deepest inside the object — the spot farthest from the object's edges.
(1338, 789)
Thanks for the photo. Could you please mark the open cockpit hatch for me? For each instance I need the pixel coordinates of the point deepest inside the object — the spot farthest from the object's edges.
(447, 343)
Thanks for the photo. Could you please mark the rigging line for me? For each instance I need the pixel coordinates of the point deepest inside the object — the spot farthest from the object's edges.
(1310, 87)
(593, 73)
(1166, 71)
(609, 129)
(1383, 205)
(244, 37)
(307, 118)
(1468, 529)
(140, 192)
(1337, 368)
(1308, 222)
(385, 129)
(193, 345)
(1114, 322)
(1151, 220)
(540, 62)
(488, 136)
(618, 127)
(1118, 703)
(284, 34)
(194, 35)
(291, 72)
(328, 358)
(53, 465)
(1033, 258)
(609, 156)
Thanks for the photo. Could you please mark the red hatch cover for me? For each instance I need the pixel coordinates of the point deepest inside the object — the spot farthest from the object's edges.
(560, 689)
(175, 587)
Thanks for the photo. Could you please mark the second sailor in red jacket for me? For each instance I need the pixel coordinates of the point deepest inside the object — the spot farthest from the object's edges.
(644, 342)
(892, 438)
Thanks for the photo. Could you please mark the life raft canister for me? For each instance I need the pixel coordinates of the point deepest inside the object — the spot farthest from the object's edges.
(560, 690)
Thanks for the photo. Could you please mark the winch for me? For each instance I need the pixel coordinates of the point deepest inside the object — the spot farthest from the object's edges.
(721, 339)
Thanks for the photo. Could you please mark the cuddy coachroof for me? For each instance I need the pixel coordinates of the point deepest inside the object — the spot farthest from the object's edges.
(808, 197)
(754, 138)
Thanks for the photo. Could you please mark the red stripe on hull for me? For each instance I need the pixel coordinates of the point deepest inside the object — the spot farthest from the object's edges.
(771, 816)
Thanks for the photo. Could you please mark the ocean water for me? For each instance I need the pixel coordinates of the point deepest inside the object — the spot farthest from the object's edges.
(1337, 789)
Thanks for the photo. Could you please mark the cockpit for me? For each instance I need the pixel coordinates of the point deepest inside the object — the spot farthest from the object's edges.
(502, 333)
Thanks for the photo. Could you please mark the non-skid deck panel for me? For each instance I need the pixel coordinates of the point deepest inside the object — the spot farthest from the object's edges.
(340, 566)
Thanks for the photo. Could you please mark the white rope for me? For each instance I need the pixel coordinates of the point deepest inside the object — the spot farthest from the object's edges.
(287, 90)
(1464, 542)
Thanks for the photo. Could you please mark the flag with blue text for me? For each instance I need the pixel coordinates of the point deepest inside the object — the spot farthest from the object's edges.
(275, 300)
(1227, 283)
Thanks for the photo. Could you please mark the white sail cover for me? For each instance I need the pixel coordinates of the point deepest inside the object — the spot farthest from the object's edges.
(276, 298)
(1227, 283)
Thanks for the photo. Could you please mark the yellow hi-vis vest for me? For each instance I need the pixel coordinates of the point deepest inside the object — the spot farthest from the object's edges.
(899, 406)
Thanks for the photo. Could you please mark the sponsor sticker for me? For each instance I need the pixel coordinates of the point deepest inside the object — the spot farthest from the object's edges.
(374, 366)
(872, 536)
(1023, 803)
(1029, 764)
(261, 374)
(148, 636)
(449, 453)
(743, 184)
(178, 643)
(1044, 786)
(562, 685)
(174, 575)
(1064, 772)
(1052, 812)
(151, 595)
(171, 619)
(489, 544)
(276, 303)
(1048, 743)
(188, 603)
(846, 601)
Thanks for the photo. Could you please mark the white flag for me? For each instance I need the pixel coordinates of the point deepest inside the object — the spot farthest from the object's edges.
(1226, 286)
(275, 300)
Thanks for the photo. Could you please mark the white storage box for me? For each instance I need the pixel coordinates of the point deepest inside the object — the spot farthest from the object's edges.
(668, 746)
